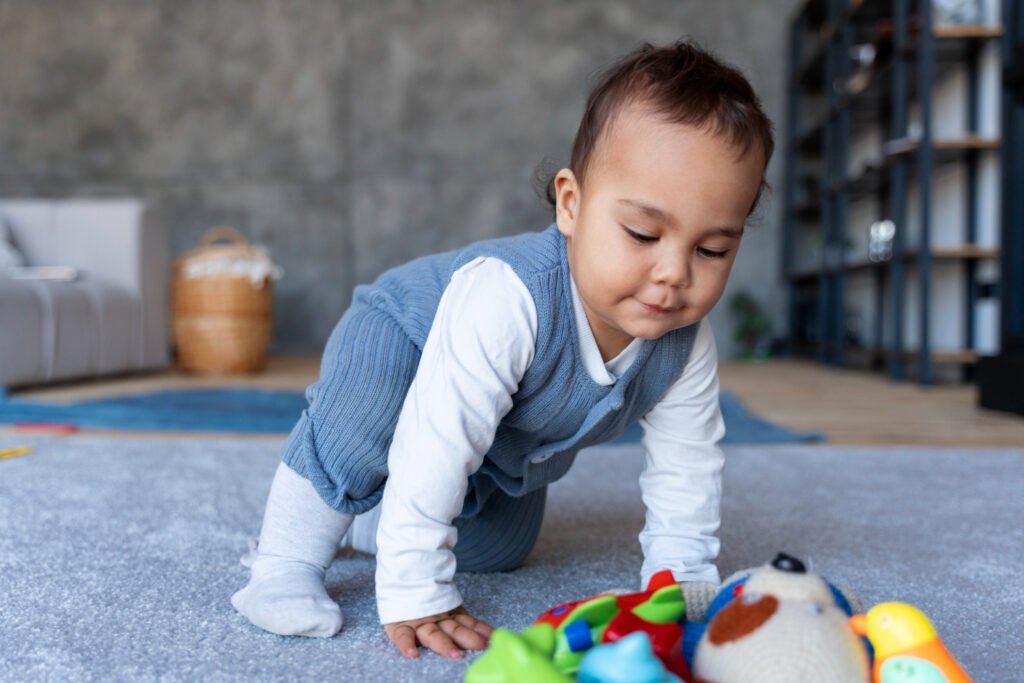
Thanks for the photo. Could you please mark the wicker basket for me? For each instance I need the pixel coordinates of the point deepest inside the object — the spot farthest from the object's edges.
(222, 323)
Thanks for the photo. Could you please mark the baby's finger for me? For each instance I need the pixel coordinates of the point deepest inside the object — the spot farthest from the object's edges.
(481, 627)
(404, 638)
(464, 636)
(432, 636)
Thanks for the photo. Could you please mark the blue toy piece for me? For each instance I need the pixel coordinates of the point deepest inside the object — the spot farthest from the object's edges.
(578, 636)
(630, 660)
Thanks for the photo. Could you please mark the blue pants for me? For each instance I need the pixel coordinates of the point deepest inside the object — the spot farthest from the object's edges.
(341, 442)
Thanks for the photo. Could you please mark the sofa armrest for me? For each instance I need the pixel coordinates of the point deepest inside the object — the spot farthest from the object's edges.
(120, 240)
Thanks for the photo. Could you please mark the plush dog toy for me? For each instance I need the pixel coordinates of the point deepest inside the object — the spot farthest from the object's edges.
(779, 623)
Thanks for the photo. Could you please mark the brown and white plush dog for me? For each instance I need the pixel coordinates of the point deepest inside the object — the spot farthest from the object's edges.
(783, 627)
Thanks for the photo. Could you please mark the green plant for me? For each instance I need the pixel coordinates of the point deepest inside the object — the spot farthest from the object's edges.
(751, 327)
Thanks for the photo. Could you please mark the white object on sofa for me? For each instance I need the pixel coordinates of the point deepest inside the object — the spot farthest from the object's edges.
(9, 256)
(112, 318)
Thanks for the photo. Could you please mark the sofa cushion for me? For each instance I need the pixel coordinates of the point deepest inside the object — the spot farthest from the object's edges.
(21, 342)
(90, 326)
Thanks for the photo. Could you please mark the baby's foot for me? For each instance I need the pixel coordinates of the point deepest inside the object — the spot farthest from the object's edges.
(287, 597)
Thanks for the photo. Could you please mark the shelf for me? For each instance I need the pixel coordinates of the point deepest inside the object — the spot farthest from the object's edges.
(948, 357)
(945, 149)
(881, 93)
(953, 44)
(871, 178)
(963, 252)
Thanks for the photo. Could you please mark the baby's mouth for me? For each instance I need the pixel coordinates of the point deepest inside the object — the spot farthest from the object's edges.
(659, 310)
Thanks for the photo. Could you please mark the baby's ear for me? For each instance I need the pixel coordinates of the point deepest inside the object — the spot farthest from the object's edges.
(567, 201)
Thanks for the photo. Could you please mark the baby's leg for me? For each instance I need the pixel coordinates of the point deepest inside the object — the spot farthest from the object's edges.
(300, 535)
(497, 539)
(502, 534)
(362, 533)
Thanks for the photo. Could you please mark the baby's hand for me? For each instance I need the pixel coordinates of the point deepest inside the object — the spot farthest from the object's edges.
(443, 633)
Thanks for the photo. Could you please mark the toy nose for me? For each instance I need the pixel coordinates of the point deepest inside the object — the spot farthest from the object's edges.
(788, 563)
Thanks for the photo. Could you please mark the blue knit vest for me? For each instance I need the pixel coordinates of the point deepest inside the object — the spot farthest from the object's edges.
(558, 408)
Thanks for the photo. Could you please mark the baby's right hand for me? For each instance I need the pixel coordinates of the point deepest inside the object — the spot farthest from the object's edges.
(443, 633)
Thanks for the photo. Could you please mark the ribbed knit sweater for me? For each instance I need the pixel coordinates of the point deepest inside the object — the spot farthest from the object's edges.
(558, 409)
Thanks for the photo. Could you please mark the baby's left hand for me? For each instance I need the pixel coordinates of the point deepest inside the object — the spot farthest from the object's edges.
(444, 633)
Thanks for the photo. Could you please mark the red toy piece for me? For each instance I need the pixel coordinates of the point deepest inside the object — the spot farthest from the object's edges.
(607, 618)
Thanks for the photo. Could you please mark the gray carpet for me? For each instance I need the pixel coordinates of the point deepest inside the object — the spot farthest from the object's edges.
(117, 556)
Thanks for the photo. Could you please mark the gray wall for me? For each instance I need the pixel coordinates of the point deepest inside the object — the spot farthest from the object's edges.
(348, 135)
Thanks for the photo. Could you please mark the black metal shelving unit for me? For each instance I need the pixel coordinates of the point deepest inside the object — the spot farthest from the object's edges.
(1001, 377)
(831, 98)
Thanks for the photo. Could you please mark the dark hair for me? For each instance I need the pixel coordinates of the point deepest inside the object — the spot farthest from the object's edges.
(683, 83)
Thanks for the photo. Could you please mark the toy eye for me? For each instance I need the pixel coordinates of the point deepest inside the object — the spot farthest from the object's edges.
(885, 621)
(814, 608)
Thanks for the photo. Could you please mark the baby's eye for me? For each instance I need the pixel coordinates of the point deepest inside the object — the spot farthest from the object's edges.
(711, 253)
(640, 237)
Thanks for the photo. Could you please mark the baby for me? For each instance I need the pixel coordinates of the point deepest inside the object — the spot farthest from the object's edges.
(458, 386)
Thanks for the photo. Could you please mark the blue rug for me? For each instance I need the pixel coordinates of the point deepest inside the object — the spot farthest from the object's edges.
(251, 410)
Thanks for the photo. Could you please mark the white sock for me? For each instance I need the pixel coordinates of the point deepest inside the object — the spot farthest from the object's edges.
(362, 533)
(285, 594)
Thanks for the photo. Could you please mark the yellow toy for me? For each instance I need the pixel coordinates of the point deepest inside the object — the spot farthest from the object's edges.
(14, 452)
(907, 648)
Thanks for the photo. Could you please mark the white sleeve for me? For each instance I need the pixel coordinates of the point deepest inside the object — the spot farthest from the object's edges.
(681, 483)
(480, 344)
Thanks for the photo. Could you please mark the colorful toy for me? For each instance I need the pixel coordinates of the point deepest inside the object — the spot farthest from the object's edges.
(518, 658)
(907, 648)
(565, 633)
(774, 624)
(630, 660)
(780, 624)
(14, 452)
(52, 428)
(607, 618)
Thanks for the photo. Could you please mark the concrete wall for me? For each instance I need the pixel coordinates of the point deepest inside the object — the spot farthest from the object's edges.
(348, 135)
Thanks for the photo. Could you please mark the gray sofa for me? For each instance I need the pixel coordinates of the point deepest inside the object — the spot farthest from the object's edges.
(111, 318)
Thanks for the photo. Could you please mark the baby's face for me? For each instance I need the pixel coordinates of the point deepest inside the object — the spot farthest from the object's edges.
(653, 234)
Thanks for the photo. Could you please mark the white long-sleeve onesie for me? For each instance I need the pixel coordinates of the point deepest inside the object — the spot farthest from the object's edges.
(480, 345)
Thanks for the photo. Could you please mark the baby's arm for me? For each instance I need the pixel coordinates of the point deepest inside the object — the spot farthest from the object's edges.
(681, 483)
(480, 344)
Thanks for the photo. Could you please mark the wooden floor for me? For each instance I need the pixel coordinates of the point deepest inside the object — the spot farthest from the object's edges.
(848, 406)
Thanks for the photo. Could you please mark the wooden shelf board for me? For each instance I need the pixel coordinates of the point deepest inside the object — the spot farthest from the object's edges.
(963, 252)
(946, 357)
(960, 31)
(962, 143)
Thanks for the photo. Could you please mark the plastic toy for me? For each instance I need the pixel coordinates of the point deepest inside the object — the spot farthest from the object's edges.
(607, 618)
(559, 639)
(45, 427)
(14, 452)
(630, 660)
(779, 624)
(907, 648)
(518, 658)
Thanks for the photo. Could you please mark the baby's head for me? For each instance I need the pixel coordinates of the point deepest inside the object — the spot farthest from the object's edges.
(668, 163)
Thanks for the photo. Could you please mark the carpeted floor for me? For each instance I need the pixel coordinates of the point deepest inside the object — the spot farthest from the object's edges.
(117, 556)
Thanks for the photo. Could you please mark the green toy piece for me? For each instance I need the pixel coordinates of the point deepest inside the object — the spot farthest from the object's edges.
(551, 650)
(518, 658)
